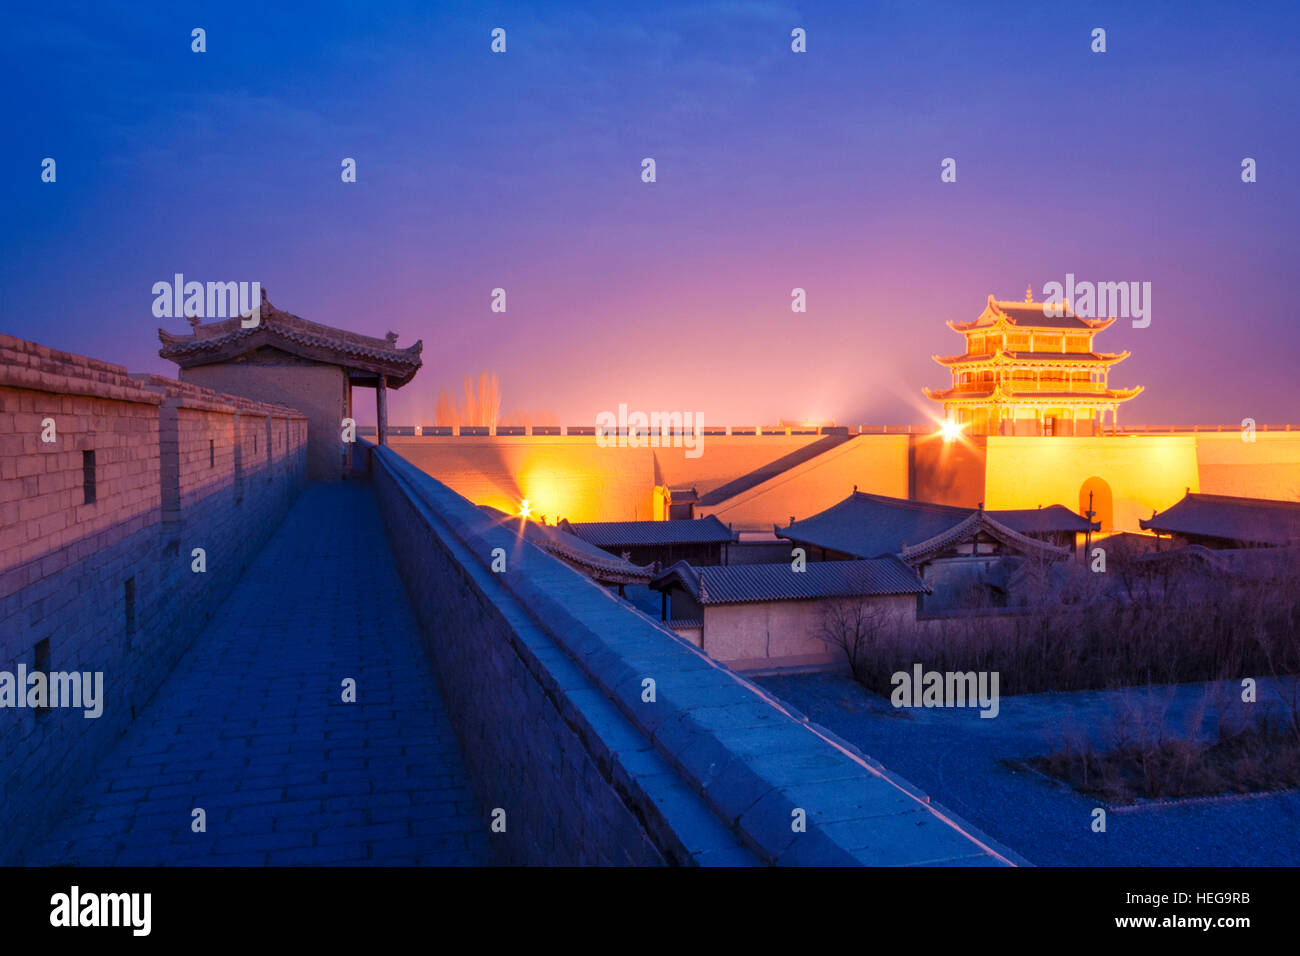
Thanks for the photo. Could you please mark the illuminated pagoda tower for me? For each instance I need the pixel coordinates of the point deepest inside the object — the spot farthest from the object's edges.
(1030, 371)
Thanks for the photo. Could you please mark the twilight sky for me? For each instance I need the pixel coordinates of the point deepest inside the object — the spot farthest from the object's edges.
(775, 170)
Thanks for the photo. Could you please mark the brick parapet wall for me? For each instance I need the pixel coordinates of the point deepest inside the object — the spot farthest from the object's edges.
(26, 365)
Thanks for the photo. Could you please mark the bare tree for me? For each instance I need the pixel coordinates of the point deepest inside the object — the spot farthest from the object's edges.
(855, 626)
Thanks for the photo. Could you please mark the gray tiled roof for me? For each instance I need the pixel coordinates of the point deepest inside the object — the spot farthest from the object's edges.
(1032, 315)
(1251, 520)
(866, 525)
(224, 340)
(978, 523)
(750, 583)
(1044, 520)
(572, 549)
(614, 534)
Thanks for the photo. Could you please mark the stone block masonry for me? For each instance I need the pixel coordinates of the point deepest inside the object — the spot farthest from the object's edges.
(98, 530)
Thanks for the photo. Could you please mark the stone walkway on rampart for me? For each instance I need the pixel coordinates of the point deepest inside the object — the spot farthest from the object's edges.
(251, 726)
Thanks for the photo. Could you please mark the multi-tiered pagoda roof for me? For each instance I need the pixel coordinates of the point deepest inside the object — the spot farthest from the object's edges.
(1030, 368)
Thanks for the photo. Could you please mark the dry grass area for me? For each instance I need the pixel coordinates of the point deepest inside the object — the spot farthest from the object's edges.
(1137, 626)
(1255, 759)
(1134, 626)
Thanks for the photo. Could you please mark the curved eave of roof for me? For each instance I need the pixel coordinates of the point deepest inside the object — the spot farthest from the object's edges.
(1018, 358)
(1161, 525)
(615, 570)
(1272, 530)
(601, 566)
(604, 573)
(1110, 395)
(977, 522)
(679, 571)
(954, 396)
(228, 339)
(995, 311)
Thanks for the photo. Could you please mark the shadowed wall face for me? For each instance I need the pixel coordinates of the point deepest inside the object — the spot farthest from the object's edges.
(948, 473)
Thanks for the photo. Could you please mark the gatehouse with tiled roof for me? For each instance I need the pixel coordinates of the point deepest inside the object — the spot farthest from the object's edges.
(275, 356)
(1030, 369)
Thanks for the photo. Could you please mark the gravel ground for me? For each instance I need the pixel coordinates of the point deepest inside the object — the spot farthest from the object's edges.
(957, 757)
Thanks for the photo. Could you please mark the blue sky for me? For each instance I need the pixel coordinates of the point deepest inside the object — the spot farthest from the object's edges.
(775, 170)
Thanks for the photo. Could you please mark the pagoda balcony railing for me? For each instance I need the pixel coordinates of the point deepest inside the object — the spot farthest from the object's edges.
(1083, 387)
(1020, 386)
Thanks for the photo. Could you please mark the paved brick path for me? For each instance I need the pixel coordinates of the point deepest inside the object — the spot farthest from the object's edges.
(251, 726)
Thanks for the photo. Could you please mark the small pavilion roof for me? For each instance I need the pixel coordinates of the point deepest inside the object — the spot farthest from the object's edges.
(1257, 521)
(227, 339)
(683, 494)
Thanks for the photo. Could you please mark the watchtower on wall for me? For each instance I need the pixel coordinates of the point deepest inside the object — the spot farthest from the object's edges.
(287, 360)
(1030, 369)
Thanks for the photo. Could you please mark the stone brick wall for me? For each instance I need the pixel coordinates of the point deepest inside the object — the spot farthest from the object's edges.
(544, 674)
(108, 585)
(42, 495)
